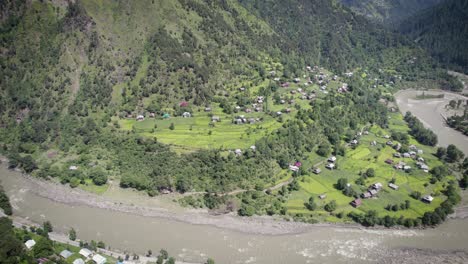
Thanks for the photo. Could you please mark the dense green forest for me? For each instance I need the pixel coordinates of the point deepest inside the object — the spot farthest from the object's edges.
(443, 30)
(77, 77)
(389, 12)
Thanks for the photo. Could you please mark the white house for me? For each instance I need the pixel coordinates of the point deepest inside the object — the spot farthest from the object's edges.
(30, 244)
(293, 168)
(85, 252)
(65, 254)
(428, 199)
(78, 261)
(238, 152)
(330, 166)
(73, 167)
(186, 115)
(332, 159)
(140, 118)
(99, 259)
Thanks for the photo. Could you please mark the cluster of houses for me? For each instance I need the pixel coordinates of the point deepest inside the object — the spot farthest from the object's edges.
(141, 117)
(413, 154)
(241, 119)
(87, 254)
(372, 191)
(331, 163)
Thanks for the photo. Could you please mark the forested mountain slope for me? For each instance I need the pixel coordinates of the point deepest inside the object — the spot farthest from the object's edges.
(443, 30)
(390, 12)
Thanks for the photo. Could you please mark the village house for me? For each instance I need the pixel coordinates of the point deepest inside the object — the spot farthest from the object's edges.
(99, 259)
(393, 186)
(322, 196)
(248, 110)
(152, 115)
(73, 167)
(373, 192)
(285, 85)
(279, 113)
(389, 161)
(397, 155)
(366, 195)
(406, 155)
(276, 79)
(186, 115)
(78, 261)
(407, 168)
(317, 171)
(397, 146)
(377, 186)
(356, 203)
(330, 166)
(297, 80)
(389, 143)
(65, 254)
(332, 159)
(85, 252)
(427, 199)
(215, 119)
(238, 152)
(293, 168)
(140, 118)
(386, 136)
(207, 109)
(242, 89)
(354, 142)
(30, 243)
(373, 143)
(254, 148)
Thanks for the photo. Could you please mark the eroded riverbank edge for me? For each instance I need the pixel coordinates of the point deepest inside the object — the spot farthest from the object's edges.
(258, 225)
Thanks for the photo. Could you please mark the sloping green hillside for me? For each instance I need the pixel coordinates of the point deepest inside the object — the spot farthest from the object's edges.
(192, 95)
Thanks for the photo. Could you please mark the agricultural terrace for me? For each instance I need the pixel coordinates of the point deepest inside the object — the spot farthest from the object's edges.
(268, 111)
(356, 161)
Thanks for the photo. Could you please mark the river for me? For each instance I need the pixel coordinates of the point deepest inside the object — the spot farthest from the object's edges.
(429, 112)
(193, 243)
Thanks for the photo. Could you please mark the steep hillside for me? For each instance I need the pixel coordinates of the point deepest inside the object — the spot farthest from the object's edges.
(390, 12)
(443, 30)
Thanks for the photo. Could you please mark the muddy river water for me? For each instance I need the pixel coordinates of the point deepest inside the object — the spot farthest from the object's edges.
(447, 243)
(430, 112)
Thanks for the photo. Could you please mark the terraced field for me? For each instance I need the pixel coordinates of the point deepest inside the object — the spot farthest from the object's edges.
(357, 161)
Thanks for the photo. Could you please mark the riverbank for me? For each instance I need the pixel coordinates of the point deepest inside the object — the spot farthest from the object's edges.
(192, 243)
(135, 203)
(76, 197)
(62, 238)
(432, 113)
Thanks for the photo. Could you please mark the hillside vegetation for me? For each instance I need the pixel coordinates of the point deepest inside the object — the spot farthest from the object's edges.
(443, 30)
(389, 12)
(197, 96)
